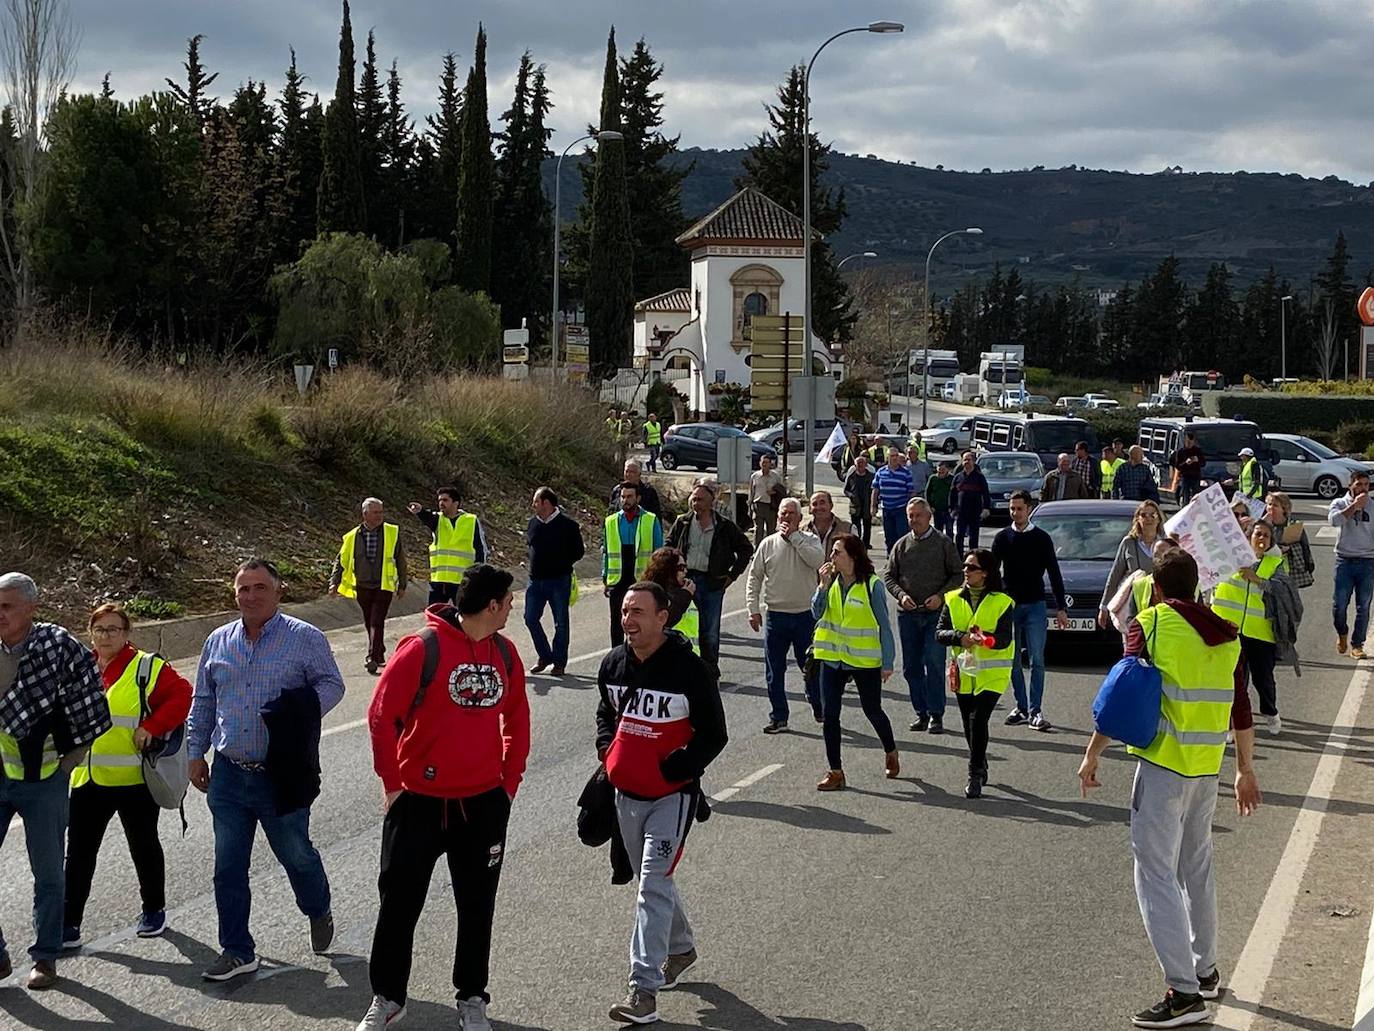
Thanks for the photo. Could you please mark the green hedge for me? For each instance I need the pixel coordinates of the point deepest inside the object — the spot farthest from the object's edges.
(1279, 413)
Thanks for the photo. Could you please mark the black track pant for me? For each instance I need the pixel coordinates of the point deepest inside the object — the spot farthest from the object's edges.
(418, 829)
(975, 710)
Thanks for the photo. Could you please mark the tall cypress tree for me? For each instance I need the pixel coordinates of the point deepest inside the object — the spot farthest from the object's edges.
(523, 227)
(476, 172)
(371, 125)
(436, 159)
(610, 293)
(653, 178)
(341, 206)
(398, 156)
(773, 165)
(1334, 285)
(193, 94)
(298, 163)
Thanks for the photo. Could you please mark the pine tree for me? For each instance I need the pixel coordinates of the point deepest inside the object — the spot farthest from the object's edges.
(398, 156)
(522, 224)
(654, 180)
(476, 171)
(1158, 334)
(106, 90)
(1117, 337)
(1334, 286)
(371, 126)
(436, 159)
(1210, 321)
(193, 94)
(773, 165)
(341, 206)
(1262, 327)
(610, 293)
(298, 163)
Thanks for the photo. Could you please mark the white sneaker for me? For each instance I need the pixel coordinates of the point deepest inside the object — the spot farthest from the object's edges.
(1275, 724)
(381, 1014)
(472, 1014)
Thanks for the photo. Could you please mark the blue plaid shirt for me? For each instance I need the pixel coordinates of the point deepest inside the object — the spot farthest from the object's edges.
(237, 677)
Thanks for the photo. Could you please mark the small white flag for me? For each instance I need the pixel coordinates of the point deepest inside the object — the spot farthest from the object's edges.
(833, 443)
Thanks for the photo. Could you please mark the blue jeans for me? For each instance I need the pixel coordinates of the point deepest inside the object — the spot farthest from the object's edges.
(1353, 575)
(895, 527)
(923, 662)
(555, 593)
(710, 604)
(783, 630)
(1031, 630)
(43, 807)
(240, 800)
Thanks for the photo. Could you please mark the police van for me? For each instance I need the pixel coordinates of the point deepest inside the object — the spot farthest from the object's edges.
(1221, 441)
(1048, 436)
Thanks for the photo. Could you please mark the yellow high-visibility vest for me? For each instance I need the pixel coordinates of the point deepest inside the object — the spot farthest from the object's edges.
(847, 631)
(994, 664)
(113, 761)
(13, 762)
(653, 435)
(644, 546)
(348, 584)
(1236, 601)
(1252, 479)
(1109, 472)
(1195, 711)
(453, 548)
(689, 626)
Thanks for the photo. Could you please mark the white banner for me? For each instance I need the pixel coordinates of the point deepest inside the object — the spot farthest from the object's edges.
(1207, 530)
(833, 443)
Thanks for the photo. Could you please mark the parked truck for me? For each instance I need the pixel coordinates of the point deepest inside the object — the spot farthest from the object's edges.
(1001, 370)
(1188, 387)
(943, 367)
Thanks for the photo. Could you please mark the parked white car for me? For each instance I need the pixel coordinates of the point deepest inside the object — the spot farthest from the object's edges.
(1071, 403)
(1306, 465)
(949, 435)
(1099, 402)
(1155, 401)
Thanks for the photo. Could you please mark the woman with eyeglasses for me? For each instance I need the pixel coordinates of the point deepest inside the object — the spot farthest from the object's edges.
(668, 568)
(853, 641)
(976, 624)
(1136, 552)
(147, 700)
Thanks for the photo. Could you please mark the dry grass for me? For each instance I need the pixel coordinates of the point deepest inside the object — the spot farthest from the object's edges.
(166, 471)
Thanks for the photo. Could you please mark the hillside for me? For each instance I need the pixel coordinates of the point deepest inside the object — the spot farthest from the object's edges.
(1054, 224)
(124, 480)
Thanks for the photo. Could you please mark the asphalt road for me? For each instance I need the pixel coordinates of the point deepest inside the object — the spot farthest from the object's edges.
(893, 905)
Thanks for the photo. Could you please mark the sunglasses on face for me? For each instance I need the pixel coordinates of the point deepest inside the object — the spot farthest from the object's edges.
(973, 568)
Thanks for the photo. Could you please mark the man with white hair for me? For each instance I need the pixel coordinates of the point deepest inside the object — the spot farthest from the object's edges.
(1062, 483)
(648, 497)
(371, 567)
(52, 706)
(782, 578)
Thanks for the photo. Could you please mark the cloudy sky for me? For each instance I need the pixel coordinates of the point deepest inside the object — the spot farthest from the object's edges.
(1286, 85)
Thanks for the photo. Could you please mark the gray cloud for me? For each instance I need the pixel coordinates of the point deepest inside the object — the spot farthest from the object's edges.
(1207, 84)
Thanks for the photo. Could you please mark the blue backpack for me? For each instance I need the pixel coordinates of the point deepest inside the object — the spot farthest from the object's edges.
(1127, 704)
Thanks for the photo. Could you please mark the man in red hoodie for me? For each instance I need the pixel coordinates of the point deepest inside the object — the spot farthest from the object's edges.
(1175, 792)
(450, 725)
(659, 725)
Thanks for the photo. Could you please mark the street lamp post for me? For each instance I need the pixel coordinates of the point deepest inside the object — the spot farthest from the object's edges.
(925, 335)
(1283, 336)
(851, 257)
(600, 137)
(878, 27)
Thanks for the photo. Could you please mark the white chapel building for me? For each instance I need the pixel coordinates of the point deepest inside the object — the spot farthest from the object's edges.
(746, 261)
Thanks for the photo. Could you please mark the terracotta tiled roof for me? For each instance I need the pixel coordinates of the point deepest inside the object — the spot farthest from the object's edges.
(748, 215)
(674, 300)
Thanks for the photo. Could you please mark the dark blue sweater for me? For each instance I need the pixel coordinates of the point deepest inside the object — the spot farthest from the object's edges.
(554, 547)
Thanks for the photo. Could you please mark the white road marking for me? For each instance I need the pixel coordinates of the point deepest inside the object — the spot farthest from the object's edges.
(1364, 1005)
(1257, 959)
(1328, 533)
(739, 785)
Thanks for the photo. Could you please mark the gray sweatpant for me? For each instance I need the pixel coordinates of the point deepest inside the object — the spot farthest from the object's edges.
(1171, 838)
(653, 831)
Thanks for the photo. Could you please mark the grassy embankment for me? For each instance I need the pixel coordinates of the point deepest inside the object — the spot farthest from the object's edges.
(123, 478)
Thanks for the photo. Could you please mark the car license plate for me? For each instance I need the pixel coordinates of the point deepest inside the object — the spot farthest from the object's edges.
(1077, 624)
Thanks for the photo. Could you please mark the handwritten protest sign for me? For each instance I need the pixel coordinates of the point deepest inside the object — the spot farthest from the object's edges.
(1208, 531)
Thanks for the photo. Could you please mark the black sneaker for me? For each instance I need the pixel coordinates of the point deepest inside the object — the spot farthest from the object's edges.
(974, 788)
(1174, 1010)
(1037, 721)
(776, 727)
(1209, 987)
(937, 725)
(1015, 718)
(920, 724)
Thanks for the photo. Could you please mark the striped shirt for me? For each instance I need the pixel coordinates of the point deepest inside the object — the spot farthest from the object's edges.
(237, 677)
(895, 487)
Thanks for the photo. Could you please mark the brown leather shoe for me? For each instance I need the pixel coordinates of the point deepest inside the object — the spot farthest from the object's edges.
(832, 781)
(1341, 643)
(892, 764)
(43, 975)
(558, 671)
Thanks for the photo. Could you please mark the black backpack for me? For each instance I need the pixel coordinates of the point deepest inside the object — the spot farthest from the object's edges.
(431, 665)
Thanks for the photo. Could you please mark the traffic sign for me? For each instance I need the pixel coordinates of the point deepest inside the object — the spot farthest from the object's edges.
(515, 337)
(577, 354)
(733, 458)
(515, 355)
